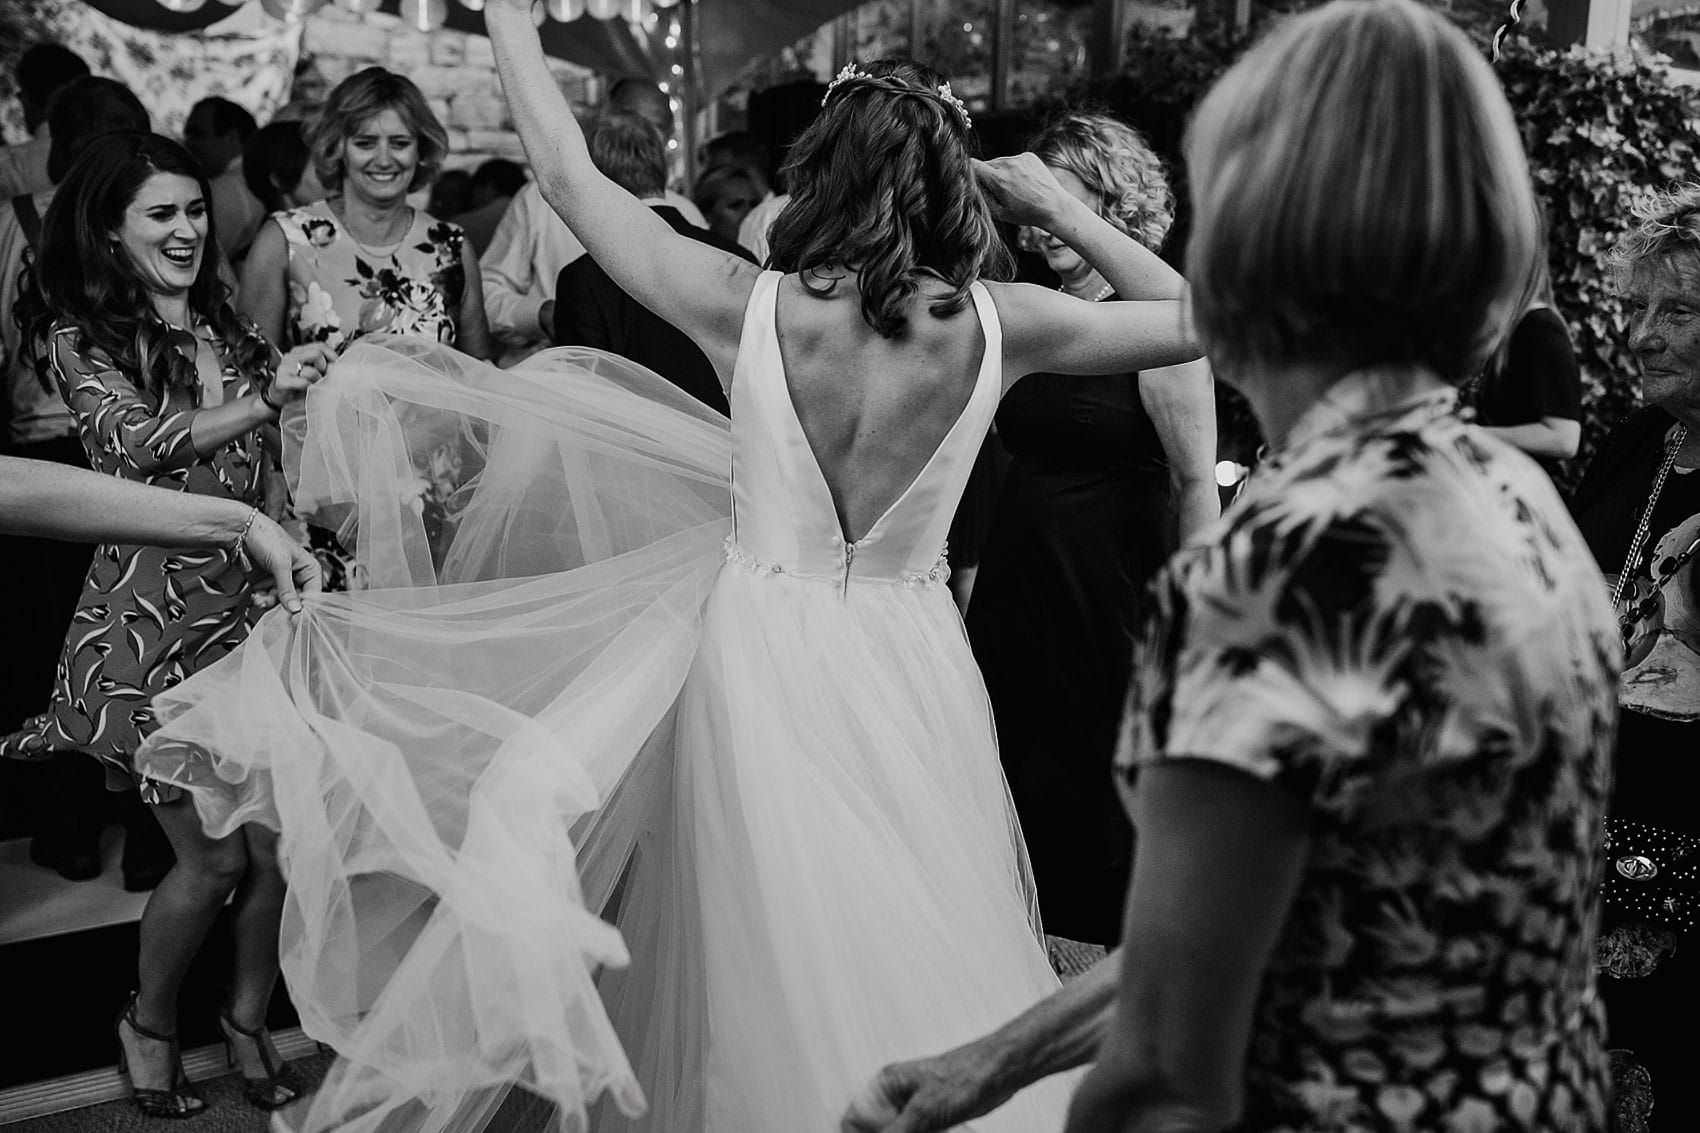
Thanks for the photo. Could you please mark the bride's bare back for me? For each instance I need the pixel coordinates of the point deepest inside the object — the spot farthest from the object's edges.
(874, 410)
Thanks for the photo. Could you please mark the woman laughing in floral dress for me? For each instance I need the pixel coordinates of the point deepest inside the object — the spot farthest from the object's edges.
(365, 261)
(170, 387)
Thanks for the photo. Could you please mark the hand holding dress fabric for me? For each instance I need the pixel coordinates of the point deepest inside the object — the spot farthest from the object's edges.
(292, 568)
(928, 1094)
(298, 370)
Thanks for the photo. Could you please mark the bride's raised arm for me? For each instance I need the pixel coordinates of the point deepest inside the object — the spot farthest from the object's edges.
(699, 289)
(1048, 331)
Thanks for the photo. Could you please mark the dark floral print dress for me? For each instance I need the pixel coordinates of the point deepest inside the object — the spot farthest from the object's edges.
(148, 617)
(1398, 622)
(339, 292)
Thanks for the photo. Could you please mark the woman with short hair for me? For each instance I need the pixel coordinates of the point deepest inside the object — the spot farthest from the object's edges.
(1638, 505)
(1366, 748)
(726, 194)
(364, 261)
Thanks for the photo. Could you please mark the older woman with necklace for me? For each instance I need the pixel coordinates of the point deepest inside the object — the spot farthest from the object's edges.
(365, 261)
(1639, 508)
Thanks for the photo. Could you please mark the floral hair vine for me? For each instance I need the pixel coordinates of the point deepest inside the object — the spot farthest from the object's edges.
(852, 73)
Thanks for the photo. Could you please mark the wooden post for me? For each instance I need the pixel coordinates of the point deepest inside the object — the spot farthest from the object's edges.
(1003, 50)
(843, 41)
(1109, 37)
(1602, 25)
(688, 86)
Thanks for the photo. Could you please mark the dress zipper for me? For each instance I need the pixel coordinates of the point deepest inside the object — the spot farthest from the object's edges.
(849, 557)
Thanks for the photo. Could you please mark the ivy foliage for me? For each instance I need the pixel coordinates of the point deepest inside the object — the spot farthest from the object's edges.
(1602, 132)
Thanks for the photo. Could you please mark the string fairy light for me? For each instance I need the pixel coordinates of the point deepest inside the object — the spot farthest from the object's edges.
(1512, 19)
(427, 15)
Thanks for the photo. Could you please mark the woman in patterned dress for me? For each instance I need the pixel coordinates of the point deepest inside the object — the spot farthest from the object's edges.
(1367, 745)
(170, 387)
(364, 261)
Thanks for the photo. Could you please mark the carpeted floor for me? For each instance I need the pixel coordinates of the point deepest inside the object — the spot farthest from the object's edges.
(227, 1112)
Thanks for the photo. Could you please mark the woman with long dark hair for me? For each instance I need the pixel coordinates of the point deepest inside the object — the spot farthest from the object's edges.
(170, 387)
(701, 678)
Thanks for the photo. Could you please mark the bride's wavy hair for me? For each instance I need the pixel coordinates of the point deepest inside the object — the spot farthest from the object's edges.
(883, 185)
(79, 276)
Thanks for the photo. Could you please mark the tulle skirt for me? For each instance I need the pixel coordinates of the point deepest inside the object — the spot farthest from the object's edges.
(564, 698)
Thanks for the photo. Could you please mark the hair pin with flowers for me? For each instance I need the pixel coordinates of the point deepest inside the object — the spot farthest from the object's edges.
(853, 73)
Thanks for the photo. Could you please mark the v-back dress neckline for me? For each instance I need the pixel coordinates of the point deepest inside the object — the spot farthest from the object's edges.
(988, 366)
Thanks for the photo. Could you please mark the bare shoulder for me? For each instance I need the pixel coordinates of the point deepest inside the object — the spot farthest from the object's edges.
(1023, 307)
(1029, 315)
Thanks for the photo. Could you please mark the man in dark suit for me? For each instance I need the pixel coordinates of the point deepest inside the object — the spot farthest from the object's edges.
(591, 310)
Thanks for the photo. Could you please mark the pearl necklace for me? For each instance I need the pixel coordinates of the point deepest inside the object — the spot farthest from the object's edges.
(1104, 292)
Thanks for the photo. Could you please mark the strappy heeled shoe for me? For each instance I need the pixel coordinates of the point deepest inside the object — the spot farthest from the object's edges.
(278, 1088)
(181, 1099)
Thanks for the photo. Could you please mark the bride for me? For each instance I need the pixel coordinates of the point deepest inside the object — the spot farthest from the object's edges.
(640, 668)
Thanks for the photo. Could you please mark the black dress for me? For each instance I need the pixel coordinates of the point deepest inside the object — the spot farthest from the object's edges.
(1656, 777)
(1085, 519)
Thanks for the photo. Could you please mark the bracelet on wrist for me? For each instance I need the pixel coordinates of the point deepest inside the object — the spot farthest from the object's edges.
(239, 544)
(274, 406)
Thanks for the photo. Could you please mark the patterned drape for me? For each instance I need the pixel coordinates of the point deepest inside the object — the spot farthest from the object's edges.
(248, 58)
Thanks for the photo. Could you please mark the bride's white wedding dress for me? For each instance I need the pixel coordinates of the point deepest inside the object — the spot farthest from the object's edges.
(619, 680)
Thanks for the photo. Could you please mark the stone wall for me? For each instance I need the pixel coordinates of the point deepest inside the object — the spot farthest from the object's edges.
(454, 70)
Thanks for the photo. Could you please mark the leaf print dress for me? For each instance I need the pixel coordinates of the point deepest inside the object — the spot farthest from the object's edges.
(340, 291)
(149, 617)
(1398, 623)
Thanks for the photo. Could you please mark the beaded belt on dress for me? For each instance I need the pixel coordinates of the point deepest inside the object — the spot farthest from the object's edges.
(750, 563)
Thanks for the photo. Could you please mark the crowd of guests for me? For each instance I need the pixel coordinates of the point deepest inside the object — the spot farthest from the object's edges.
(175, 302)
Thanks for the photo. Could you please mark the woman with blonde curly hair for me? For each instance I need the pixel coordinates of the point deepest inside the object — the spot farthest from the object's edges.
(1104, 475)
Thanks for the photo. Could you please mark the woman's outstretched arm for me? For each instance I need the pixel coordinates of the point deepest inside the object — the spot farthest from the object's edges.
(702, 290)
(56, 501)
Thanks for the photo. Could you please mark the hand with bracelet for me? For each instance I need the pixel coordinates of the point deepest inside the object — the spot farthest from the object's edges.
(56, 501)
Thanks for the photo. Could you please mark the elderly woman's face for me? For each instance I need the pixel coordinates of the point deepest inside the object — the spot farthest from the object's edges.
(378, 159)
(1059, 257)
(1663, 297)
(164, 233)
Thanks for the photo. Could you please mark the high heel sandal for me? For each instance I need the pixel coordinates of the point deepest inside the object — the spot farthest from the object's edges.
(278, 1088)
(181, 1099)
